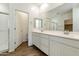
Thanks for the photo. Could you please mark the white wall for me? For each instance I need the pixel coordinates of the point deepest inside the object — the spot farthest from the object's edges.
(33, 14)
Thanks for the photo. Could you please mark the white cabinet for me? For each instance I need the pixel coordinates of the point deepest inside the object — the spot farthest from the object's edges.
(63, 47)
(55, 48)
(36, 40)
(70, 51)
(55, 45)
(44, 45)
(42, 42)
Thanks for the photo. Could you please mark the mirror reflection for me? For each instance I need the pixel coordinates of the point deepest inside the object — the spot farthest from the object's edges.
(61, 18)
(38, 23)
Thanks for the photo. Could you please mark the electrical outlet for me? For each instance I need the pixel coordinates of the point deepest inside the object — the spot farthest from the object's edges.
(14, 42)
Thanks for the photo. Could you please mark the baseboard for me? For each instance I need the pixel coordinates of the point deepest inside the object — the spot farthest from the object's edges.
(25, 40)
(3, 51)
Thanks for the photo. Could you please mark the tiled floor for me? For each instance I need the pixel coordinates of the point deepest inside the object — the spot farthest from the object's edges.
(24, 50)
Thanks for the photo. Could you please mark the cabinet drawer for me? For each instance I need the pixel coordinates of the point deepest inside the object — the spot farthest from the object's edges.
(35, 34)
(44, 36)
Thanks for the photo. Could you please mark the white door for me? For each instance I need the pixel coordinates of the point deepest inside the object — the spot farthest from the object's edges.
(3, 32)
(24, 18)
(18, 29)
(21, 27)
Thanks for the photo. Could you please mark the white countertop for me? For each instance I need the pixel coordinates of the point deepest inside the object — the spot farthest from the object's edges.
(71, 35)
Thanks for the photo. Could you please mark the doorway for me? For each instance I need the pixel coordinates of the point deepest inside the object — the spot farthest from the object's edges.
(21, 27)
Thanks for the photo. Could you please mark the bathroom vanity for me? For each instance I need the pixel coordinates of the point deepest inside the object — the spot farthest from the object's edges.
(62, 35)
(56, 43)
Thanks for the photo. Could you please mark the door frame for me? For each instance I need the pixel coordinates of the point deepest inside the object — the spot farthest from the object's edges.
(15, 22)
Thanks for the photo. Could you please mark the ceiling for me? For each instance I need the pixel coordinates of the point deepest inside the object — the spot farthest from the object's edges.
(50, 5)
(64, 8)
(29, 5)
(54, 7)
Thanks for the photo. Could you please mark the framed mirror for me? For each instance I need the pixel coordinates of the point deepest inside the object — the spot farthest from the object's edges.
(38, 23)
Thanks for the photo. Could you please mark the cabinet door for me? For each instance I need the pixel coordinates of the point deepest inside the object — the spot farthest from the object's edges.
(70, 42)
(55, 48)
(61, 49)
(44, 45)
(36, 41)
